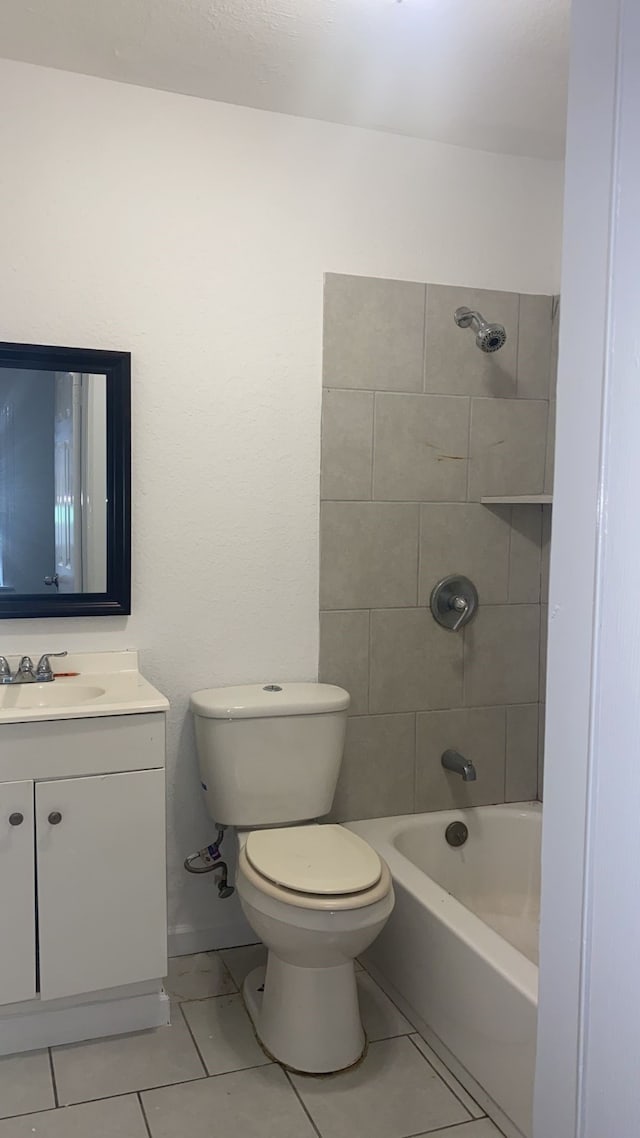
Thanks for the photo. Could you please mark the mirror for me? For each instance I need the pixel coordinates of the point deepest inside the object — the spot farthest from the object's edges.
(64, 481)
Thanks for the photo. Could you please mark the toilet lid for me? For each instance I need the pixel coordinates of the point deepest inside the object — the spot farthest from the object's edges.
(326, 859)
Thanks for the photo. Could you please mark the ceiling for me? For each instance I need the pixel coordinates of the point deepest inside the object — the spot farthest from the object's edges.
(489, 74)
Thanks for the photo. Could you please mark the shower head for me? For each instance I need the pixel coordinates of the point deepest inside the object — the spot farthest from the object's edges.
(489, 337)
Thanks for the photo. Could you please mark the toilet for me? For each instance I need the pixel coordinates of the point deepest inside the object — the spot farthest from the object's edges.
(316, 894)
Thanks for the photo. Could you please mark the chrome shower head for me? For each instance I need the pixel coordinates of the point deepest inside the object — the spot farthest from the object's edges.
(489, 337)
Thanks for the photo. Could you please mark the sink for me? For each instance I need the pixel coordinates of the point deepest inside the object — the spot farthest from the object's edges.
(96, 684)
(47, 695)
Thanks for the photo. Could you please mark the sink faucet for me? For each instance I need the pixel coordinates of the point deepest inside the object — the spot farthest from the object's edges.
(453, 761)
(26, 673)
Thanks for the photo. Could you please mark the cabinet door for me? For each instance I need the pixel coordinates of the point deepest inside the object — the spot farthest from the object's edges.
(101, 881)
(17, 893)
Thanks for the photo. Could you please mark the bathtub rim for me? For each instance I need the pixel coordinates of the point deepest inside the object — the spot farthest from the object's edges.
(509, 962)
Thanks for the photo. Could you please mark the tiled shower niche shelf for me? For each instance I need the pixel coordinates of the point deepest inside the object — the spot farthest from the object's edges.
(518, 500)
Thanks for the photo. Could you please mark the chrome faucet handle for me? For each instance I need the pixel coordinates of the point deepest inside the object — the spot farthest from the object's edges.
(25, 668)
(454, 602)
(5, 671)
(44, 671)
(461, 606)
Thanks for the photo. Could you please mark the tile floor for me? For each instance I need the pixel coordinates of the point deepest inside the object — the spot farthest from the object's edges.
(206, 1074)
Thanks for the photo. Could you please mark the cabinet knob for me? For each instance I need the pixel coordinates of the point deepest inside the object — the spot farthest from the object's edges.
(55, 817)
(16, 819)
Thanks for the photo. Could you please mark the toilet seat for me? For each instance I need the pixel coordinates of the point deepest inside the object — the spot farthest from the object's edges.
(304, 899)
(319, 859)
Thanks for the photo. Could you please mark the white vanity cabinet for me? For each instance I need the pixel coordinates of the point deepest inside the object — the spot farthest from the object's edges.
(17, 893)
(82, 858)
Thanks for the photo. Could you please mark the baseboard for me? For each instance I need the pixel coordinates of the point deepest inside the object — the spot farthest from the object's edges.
(185, 940)
(37, 1029)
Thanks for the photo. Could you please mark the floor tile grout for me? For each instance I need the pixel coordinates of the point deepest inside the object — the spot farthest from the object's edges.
(412, 1033)
(144, 1113)
(193, 1038)
(453, 1091)
(450, 1129)
(142, 1090)
(299, 1098)
(53, 1077)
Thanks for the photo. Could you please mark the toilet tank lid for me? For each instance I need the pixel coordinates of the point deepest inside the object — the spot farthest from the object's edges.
(257, 701)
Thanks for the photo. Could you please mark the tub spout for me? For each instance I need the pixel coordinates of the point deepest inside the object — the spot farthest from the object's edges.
(453, 761)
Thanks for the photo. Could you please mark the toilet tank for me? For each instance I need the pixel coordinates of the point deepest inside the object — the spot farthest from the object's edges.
(269, 754)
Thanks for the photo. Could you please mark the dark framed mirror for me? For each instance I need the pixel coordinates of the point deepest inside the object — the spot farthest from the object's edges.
(65, 482)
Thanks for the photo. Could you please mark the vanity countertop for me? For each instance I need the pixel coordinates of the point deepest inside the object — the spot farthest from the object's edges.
(107, 683)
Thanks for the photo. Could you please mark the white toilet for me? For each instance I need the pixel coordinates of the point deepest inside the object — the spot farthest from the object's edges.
(317, 895)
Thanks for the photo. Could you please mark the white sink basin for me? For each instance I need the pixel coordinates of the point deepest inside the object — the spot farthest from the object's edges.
(94, 684)
(47, 695)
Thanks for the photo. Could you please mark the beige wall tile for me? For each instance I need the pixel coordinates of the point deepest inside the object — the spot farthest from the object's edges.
(453, 363)
(534, 346)
(478, 733)
(521, 781)
(420, 447)
(415, 664)
(347, 444)
(555, 329)
(508, 444)
(501, 655)
(524, 555)
(373, 333)
(368, 554)
(550, 454)
(547, 514)
(544, 622)
(344, 655)
(377, 773)
(466, 538)
(541, 725)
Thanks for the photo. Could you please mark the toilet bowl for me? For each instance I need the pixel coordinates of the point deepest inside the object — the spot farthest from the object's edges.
(307, 1015)
(316, 894)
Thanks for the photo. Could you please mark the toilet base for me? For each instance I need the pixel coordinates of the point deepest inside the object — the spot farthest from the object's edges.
(308, 1019)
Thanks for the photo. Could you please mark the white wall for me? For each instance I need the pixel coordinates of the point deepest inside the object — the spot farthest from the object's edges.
(196, 235)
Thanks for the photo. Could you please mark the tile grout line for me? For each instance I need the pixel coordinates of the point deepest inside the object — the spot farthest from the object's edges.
(193, 1038)
(299, 1098)
(518, 348)
(144, 1113)
(444, 1130)
(415, 768)
(373, 444)
(369, 664)
(424, 339)
(450, 1088)
(419, 558)
(468, 487)
(141, 1090)
(53, 1077)
(506, 747)
(509, 552)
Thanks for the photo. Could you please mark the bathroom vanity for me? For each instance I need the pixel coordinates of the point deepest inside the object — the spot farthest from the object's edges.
(83, 947)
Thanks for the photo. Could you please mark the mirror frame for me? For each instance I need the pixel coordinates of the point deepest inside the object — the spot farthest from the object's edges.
(116, 366)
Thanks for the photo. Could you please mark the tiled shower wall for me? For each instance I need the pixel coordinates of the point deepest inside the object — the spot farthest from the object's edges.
(418, 425)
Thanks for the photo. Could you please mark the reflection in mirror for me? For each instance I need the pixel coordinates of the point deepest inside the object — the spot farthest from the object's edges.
(53, 482)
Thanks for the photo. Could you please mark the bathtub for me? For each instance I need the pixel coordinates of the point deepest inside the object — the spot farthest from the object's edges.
(459, 952)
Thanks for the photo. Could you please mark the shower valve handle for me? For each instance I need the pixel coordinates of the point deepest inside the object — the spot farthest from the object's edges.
(454, 602)
(461, 606)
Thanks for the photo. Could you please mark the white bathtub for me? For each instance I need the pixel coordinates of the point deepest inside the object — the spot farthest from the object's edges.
(460, 949)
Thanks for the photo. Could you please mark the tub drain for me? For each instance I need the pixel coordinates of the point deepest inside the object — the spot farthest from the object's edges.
(456, 833)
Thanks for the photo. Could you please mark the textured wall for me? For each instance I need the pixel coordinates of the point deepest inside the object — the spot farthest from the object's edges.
(196, 235)
(418, 425)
